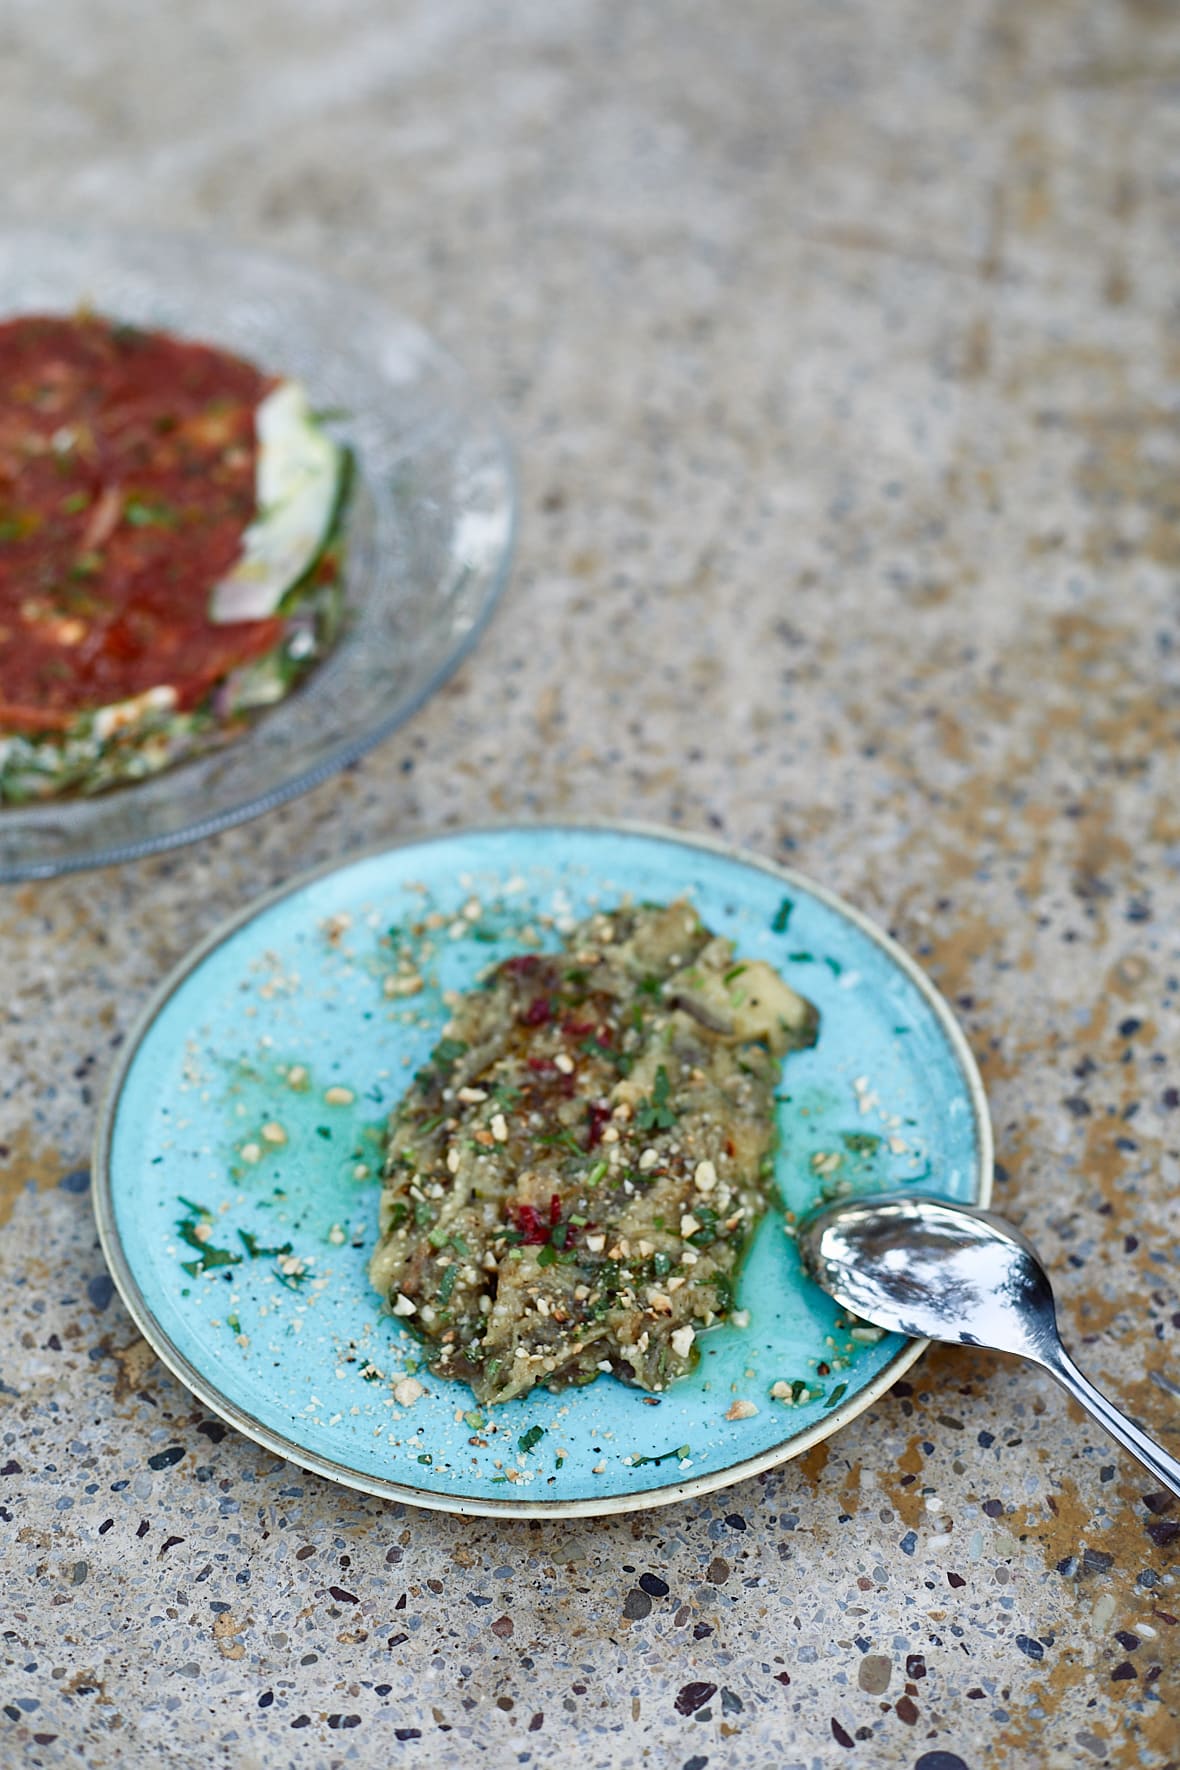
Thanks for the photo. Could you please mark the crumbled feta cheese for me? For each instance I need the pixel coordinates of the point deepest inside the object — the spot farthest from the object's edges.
(408, 1391)
(404, 1306)
(273, 1132)
(681, 1340)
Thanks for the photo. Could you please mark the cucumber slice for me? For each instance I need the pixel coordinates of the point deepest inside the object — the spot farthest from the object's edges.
(299, 476)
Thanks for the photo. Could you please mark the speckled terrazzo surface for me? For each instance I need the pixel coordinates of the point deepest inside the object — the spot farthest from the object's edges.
(842, 352)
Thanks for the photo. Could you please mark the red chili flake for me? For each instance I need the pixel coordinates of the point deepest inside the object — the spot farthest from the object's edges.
(521, 964)
(532, 1225)
(555, 1210)
(577, 1029)
(543, 1066)
(599, 1118)
(538, 1013)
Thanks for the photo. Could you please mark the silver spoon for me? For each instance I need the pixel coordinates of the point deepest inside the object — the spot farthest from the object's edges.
(944, 1272)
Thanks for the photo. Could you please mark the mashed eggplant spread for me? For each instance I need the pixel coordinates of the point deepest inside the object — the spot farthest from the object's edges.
(572, 1180)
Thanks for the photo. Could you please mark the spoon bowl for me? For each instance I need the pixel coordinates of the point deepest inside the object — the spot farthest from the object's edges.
(936, 1271)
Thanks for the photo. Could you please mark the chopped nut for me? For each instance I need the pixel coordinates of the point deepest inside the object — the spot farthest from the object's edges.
(688, 1225)
(472, 1096)
(500, 1128)
(297, 1077)
(404, 1306)
(741, 1410)
(453, 1158)
(251, 1152)
(408, 1391)
(337, 1096)
(402, 986)
(681, 1341)
(705, 1177)
(564, 1063)
(273, 1132)
(648, 1159)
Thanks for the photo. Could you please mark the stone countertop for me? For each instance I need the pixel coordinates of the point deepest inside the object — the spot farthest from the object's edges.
(842, 351)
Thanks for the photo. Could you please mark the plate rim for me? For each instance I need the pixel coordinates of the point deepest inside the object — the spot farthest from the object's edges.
(195, 1381)
(255, 805)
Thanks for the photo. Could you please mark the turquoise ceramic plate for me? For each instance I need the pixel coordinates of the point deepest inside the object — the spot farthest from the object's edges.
(245, 1118)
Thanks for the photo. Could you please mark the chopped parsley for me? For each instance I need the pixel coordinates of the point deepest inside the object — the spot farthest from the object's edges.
(250, 1242)
(209, 1257)
(679, 1453)
(781, 917)
(655, 1114)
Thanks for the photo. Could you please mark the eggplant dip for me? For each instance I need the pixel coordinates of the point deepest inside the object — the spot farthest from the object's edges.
(572, 1180)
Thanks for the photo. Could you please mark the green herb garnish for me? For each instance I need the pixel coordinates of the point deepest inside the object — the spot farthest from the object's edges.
(250, 1242)
(655, 1114)
(142, 515)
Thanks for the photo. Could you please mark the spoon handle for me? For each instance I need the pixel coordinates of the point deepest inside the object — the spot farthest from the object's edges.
(1164, 1467)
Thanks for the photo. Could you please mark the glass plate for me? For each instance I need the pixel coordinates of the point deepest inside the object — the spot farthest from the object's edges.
(890, 1092)
(429, 527)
